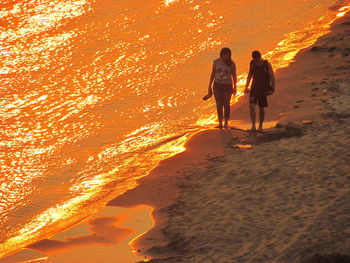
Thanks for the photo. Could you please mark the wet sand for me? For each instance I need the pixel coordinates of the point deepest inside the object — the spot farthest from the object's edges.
(278, 196)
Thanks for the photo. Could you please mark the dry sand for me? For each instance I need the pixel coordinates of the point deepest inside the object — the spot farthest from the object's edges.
(285, 199)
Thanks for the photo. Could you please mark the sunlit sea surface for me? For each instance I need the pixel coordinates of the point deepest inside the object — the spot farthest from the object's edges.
(95, 93)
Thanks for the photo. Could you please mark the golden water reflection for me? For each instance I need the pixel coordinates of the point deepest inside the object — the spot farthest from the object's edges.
(92, 100)
(244, 146)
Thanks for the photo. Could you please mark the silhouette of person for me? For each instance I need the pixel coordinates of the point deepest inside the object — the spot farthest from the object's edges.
(263, 85)
(225, 84)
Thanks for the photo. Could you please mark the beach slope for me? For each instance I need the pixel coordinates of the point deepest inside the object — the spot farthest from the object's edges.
(287, 198)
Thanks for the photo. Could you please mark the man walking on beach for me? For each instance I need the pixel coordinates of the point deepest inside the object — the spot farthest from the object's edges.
(263, 85)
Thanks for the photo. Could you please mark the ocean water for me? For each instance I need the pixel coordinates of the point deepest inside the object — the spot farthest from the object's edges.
(95, 93)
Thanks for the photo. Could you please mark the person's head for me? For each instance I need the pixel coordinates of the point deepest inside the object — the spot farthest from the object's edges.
(256, 55)
(225, 55)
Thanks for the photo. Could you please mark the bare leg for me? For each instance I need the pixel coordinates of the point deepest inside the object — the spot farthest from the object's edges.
(226, 123)
(220, 123)
(252, 115)
(219, 105)
(220, 113)
(261, 117)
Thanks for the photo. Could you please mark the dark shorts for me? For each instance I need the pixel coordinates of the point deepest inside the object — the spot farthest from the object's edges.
(259, 99)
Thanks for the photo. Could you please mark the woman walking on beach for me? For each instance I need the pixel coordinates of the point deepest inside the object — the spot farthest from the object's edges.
(225, 84)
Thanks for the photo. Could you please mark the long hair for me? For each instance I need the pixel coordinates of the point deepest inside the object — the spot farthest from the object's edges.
(227, 51)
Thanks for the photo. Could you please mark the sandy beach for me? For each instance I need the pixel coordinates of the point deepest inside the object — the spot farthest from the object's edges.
(278, 196)
(281, 196)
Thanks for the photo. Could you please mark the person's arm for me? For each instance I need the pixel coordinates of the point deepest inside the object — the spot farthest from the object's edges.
(249, 78)
(272, 75)
(212, 76)
(234, 77)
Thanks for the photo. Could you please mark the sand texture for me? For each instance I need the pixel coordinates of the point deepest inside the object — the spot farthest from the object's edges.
(287, 197)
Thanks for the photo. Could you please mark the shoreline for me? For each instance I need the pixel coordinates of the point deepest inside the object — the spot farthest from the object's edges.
(164, 186)
(314, 98)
